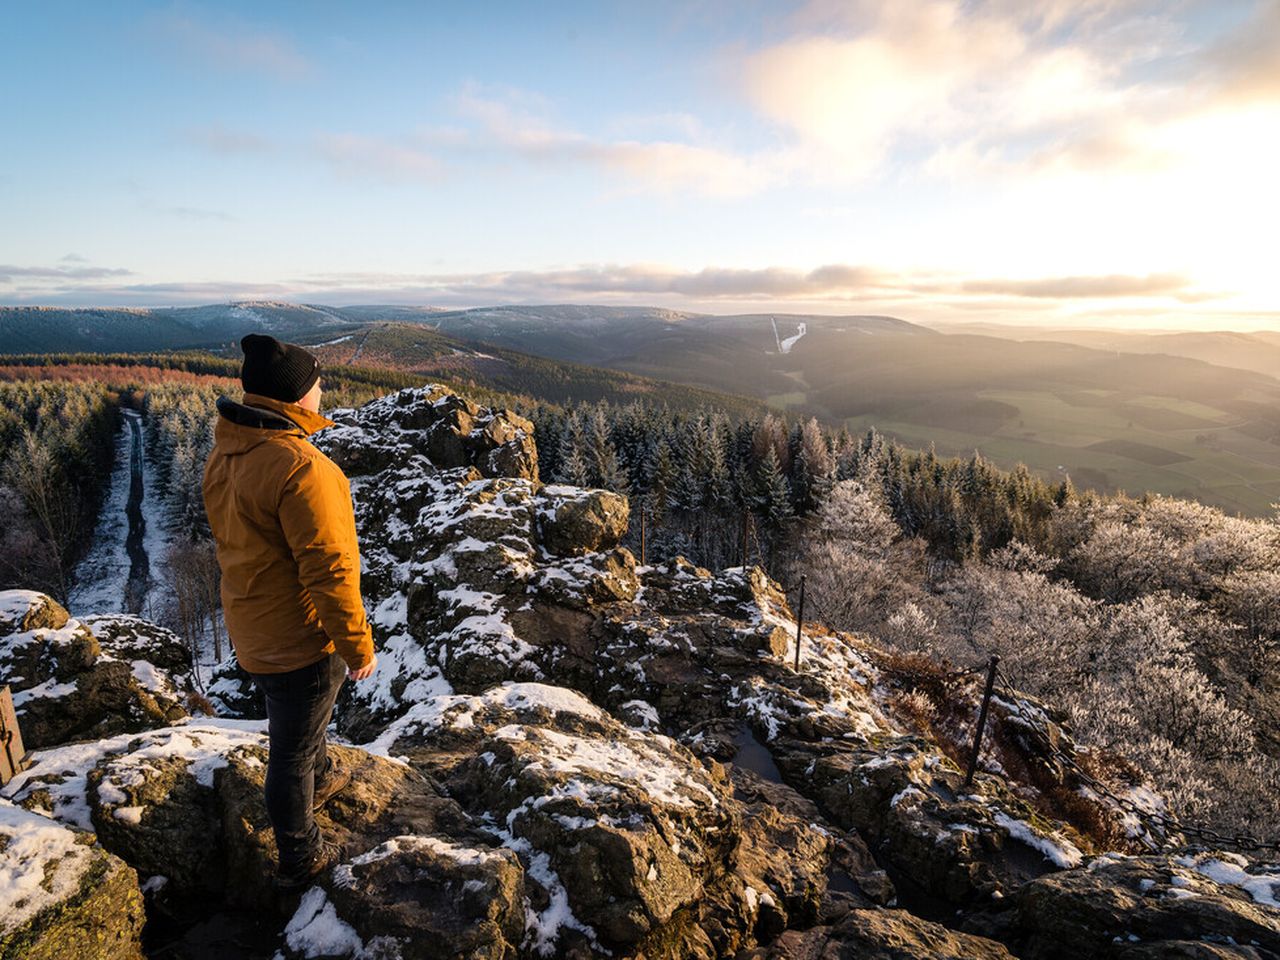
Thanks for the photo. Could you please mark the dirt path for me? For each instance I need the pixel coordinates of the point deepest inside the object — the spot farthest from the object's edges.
(135, 591)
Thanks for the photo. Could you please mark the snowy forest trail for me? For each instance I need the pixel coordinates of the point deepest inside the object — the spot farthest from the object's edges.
(359, 348)
(135, 591)
(113, 577)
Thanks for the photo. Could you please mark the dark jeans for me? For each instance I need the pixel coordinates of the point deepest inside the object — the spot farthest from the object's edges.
(299, 706)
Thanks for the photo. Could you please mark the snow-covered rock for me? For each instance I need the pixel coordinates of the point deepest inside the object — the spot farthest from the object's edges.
(77, 679)
(62, 895)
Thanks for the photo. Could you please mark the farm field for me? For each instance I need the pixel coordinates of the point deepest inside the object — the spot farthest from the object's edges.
(1109, 440)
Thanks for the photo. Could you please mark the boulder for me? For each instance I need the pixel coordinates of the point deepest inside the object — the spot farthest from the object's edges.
(384, 800)
(148, 797)
(882, 935)
(424, 897)
(1157, 905)
(623, 831)
(573, 521)
(72, 679)
(232, 693)
(62, 895)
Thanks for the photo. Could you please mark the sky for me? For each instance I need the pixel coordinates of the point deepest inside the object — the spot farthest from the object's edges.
(1050, 162)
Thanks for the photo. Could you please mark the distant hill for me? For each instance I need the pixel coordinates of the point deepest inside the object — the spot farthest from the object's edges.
(1257, 350)
(112, 329)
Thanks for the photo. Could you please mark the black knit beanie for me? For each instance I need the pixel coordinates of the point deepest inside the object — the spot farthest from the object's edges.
(282, 371)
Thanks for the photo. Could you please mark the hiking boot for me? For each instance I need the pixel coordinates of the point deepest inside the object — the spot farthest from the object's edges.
(298, 878)
(334, 782)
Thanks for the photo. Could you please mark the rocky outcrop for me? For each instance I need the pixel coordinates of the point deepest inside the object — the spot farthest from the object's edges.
(62, 895)
(433, 425)
(74, 679)
(569, 755)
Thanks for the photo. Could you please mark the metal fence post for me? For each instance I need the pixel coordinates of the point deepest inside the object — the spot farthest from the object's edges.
(982, 721)
(800, 621)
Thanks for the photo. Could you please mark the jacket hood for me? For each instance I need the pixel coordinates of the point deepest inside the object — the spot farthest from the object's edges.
(242, 426)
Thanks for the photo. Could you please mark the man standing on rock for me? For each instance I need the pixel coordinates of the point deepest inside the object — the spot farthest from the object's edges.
(282, 520)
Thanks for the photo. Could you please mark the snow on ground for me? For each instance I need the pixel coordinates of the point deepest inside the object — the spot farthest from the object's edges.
(460, 709)
(156, 539)
(1063, 853)
(1229, 869)
(100, 577)
(41, 863)
(790, 342)
(315, 929)
(344, 875)
(335, 342)
(633, 762)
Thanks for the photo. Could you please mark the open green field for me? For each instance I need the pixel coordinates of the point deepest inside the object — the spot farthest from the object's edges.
(1112, 440)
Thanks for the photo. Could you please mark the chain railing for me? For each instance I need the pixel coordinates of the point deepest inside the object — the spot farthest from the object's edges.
(1168, 825)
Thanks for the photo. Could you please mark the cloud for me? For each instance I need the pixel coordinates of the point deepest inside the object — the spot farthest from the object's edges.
(1097, 287)
(955, 89)
(10, 273)
(825, 288)
(353, 155)
(516, 122)
(72, 258)
(233, 44)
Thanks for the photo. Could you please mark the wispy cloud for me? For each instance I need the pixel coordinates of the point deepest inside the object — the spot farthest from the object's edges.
(230, 43)
(519, 123)
(10, 273)
(354, 155)
(832, 286)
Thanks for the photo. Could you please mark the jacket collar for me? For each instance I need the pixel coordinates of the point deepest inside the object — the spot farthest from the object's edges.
(302, 418)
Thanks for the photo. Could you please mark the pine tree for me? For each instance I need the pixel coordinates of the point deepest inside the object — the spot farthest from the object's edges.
(572, 464)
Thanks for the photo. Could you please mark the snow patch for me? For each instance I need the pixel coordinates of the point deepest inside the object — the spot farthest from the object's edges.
(41, 863)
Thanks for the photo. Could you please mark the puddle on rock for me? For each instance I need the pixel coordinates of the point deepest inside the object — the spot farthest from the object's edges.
(755, 756)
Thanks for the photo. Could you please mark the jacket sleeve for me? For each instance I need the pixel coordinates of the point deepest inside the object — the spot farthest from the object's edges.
(319, 524)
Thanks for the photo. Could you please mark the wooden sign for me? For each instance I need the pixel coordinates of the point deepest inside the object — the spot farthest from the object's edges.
(12, 756)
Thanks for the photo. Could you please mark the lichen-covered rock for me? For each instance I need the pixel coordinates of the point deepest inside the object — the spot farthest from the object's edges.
(149, 797)
(575, 521)
(454, 562)
(882, 935)
(620, 829)
(63, 896)
(1121, 906)
(72, 679)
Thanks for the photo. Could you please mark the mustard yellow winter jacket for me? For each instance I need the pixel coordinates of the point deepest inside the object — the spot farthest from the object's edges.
(285, 531)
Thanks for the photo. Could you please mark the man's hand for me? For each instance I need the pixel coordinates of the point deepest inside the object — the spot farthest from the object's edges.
(365, 671)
